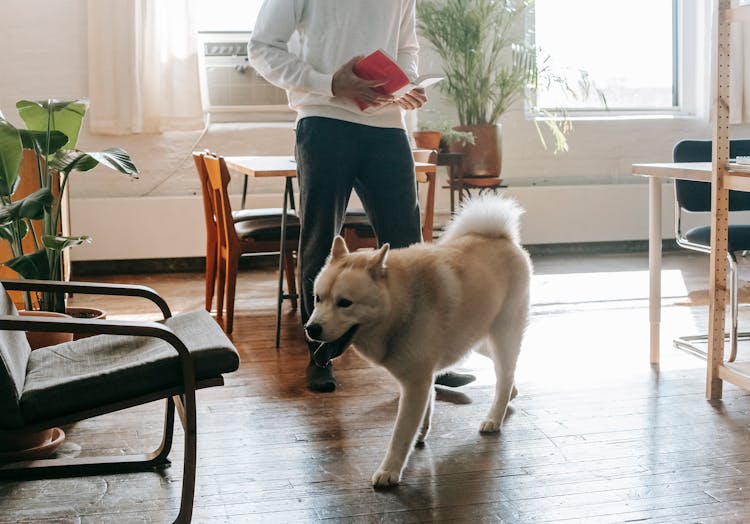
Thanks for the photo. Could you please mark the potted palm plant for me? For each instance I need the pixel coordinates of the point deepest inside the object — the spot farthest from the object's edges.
(489, 64)
(32, 224)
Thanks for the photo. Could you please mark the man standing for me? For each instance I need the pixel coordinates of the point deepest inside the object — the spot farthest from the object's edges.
(309, 47)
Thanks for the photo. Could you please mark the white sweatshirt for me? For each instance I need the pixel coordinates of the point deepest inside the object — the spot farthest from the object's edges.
(299, 44)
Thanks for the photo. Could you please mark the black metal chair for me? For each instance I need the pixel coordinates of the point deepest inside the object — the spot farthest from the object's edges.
(695, 197)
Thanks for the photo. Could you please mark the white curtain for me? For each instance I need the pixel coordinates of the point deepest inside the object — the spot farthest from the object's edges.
(143, 67)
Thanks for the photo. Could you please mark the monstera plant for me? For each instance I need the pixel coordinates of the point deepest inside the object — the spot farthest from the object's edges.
(50, 140)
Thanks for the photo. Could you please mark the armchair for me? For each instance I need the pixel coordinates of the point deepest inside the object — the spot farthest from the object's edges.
(129, 363)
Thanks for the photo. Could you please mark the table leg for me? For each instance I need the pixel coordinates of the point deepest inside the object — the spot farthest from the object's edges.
(288, 195)
(429, 212)
(244, 192)
(451, 185)
(654, 264)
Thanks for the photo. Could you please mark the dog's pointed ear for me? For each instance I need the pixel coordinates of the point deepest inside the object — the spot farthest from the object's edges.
(377, 263)
(339, 249)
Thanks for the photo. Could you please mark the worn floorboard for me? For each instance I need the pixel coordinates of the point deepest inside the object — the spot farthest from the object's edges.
(596, 434)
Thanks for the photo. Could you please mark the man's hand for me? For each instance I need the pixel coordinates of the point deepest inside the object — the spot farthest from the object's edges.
(414, 99)
(348, 85)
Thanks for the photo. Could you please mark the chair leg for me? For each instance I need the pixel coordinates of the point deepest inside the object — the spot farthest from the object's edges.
(103, 465)
(687, 343)
(210, 273)
(186, 403)
(733, 304)
(290, 280)
(231, 285)
(221, 279)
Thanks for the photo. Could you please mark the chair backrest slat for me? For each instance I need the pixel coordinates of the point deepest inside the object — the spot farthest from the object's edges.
(14, 357)
(208, 207)
(696, 196)
(218, 182)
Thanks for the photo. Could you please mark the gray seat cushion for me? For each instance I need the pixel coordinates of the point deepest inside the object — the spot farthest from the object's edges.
(103, 369)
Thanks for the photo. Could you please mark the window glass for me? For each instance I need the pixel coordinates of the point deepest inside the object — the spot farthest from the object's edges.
(624, 48)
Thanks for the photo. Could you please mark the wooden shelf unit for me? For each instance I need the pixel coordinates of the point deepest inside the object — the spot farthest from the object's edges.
(722, 181)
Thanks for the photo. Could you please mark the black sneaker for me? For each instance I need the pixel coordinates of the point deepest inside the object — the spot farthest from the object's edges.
(453, 379)
(320, 379)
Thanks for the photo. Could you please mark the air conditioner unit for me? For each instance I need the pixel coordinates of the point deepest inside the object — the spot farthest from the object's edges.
(232, 90)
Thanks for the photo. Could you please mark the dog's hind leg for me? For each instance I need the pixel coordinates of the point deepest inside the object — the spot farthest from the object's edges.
(505, 339)
(411, 411)
(425, 429)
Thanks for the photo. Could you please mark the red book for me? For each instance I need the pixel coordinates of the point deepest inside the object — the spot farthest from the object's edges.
(379, 66)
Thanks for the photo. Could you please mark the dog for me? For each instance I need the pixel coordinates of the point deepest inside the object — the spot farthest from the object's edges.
(419, 310)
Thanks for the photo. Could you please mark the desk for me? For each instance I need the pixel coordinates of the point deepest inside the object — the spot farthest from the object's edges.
(285, 166)
(737, 373)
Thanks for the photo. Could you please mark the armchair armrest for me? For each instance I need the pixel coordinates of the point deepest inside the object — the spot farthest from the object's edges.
(89, 288)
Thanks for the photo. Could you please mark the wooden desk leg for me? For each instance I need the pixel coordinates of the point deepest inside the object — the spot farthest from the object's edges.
(451, 182)
(429, 212)
(288, 195)
(244, 192)
(654, 265)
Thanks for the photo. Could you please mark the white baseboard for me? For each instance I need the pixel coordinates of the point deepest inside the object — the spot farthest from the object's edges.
(173, 227)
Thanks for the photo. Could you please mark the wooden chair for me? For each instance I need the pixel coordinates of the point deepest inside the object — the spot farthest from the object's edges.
(252, 232)
(212, 233)
(130, 363)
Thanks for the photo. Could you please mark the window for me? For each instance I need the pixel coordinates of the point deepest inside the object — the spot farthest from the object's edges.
(626, 49)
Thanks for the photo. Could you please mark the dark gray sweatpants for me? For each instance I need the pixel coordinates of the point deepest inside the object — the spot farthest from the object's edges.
(334, 157)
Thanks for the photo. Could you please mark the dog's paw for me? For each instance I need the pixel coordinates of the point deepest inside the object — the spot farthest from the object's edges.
(384, 478)
(489, 426)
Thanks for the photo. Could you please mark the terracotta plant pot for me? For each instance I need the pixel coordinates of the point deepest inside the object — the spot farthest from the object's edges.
(29, 445)
(40, 339)
(484, 158)
(85, 312)
(427, 139)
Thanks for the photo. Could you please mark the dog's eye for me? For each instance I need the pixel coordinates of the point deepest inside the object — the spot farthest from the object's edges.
(344, 302)
(317, 298)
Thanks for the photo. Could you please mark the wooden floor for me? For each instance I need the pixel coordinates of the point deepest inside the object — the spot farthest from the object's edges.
(595, 435)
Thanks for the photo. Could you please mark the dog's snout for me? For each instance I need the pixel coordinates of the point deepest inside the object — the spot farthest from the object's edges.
(314, 331)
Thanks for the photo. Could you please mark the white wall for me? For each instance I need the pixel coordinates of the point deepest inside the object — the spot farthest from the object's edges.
(588, 194)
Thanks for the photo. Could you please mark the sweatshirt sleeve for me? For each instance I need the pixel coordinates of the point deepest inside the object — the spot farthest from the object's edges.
(408, 45)
(269, 54)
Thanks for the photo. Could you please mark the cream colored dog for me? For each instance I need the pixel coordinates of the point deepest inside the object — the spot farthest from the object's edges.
(419, 310)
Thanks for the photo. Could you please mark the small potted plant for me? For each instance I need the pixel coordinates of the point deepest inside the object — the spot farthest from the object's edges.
(32, 224)
(427, 137)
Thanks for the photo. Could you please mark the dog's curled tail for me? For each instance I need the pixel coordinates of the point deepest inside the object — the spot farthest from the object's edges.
(486, 215)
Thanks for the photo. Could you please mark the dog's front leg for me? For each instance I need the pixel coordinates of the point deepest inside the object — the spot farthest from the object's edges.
(411, 411)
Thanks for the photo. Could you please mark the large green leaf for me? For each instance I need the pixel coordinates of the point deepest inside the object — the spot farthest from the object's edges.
(67, 160)
(56, 115)
(8, 232)
(58, 243)
(34, 205)
(37, 140)
(117, 159)
(113, 158)
(11, 154)
(31, 206)
(32, 266)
